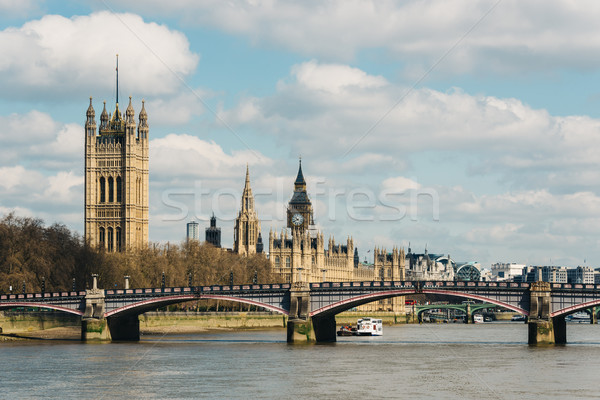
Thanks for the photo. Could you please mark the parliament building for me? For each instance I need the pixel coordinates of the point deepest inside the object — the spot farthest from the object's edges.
(116, 179)
(298, 253)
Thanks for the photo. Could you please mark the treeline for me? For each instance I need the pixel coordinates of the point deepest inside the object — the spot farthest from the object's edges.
(31, 252)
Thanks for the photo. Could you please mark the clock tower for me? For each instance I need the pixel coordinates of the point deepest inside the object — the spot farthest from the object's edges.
(300, 211)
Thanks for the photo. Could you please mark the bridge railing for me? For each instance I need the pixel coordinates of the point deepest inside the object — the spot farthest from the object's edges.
(40, 296)
(421, 284)
(198, 289)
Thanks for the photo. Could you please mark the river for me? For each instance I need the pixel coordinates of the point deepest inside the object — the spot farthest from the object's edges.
(437, 361)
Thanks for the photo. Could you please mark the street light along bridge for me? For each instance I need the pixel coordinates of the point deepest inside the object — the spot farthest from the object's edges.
(311, 308)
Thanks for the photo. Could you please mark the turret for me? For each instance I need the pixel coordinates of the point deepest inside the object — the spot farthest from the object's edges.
(104, 118)
(143, 124)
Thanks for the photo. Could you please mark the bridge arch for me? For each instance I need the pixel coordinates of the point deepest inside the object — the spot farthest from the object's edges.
(5, 306)
(572, 309)
(348, 303)
(151, 304)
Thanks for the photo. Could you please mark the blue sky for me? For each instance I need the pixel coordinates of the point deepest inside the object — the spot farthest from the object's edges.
(469, 127)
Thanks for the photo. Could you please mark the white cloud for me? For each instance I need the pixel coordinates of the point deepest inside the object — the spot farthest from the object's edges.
(186, 155)
(511, 37)
(59, 56)
(495, 136)
(17, 8)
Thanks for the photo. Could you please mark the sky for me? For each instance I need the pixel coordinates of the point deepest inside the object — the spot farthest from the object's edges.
(469, 128)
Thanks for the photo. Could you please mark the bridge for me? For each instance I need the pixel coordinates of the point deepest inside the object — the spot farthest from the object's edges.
(311, 307)
(468, 308)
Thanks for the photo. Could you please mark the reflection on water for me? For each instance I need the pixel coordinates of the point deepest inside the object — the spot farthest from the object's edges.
(441, 361)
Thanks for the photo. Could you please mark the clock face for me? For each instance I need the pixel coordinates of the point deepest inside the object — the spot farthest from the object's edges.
(297, 219)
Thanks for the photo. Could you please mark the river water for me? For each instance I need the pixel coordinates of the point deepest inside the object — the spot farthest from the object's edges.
(433, 361)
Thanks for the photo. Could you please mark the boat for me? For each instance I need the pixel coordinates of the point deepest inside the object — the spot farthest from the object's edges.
(369, 327)
(478, 318)
(346, 330)
(579, 316)
(518, 317)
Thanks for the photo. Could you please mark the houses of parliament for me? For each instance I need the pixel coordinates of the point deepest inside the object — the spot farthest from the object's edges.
(116, 213)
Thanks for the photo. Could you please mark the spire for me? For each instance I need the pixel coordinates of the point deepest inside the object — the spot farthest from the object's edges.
(117, 70)
(104, 118)
(129, 112)
(247, 177)
(90, 110)
(300, 177)
(247, 198)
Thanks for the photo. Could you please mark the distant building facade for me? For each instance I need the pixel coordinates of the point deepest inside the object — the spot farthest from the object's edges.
(192, 231)
(212, 234)
(425, 266)
(506, 271)
(116, 179)
(580, 275)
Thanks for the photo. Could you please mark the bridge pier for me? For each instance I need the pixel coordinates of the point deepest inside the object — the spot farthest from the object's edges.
(126, 328)
(468, 316)
(94, 329)
(301, 328)
(544, 329)
(593, 316)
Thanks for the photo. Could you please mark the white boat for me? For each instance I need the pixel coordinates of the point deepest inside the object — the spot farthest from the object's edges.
(369, 327)
(478, 318)
(580, 316)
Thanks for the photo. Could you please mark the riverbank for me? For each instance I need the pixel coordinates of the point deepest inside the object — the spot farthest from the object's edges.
(49, 325)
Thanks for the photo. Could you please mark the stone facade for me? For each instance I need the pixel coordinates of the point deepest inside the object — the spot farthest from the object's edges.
(116, 179)
(425, 266)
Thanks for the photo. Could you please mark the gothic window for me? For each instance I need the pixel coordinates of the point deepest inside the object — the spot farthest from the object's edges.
(119, 190)
(102, 190)
(110, 239)
(111, 189)
(287, 262)
(118, 237)
(277, 262)
(101, 237)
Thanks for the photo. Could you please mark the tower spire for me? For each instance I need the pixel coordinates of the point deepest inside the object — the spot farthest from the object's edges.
(117, 79)
(300, 183)
(247, 177)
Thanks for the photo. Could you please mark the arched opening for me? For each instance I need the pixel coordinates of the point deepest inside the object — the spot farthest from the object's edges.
(102, 185)
(110, 239)
(118, 238)
(119, 190)
(101, 237)
(111, 189)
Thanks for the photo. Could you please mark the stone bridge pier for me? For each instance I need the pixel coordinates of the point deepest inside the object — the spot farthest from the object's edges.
(544, 329)
(95, 327)
(301, 328)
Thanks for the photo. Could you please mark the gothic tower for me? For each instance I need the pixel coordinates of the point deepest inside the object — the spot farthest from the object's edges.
(116, 179)
(300, 211)
(247, 225)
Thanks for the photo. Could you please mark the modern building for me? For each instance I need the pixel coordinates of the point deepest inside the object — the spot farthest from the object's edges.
(192, 231)
(212, 234)
(247, 225)
(116, 179)
(506, 271)
(552, 274)
(580, 275)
